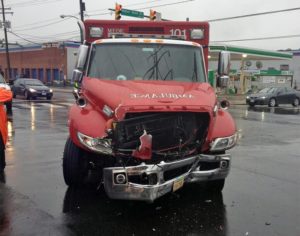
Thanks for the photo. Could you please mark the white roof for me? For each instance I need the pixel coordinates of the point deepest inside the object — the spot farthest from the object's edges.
(147, 40)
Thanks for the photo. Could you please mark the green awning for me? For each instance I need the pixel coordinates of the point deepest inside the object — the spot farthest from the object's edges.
(250, 51)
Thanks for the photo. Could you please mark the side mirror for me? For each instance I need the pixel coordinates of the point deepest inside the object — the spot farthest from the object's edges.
(223, 69)
(82, 56)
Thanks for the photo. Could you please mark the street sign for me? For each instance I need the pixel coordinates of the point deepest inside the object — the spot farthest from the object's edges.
(127, 12)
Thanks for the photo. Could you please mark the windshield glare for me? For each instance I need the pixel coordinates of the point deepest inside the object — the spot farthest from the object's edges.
(33, 82)
(147, 62)
(268, 90)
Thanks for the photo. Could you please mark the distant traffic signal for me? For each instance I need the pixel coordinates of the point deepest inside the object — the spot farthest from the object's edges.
(118, 10)
(152, 15)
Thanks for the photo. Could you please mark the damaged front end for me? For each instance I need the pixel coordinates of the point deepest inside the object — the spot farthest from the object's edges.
(158, 152)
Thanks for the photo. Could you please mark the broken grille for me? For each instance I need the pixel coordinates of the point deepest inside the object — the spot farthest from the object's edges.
(170, 131)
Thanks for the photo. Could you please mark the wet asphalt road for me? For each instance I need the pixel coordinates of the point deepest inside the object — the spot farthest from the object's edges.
(261, 195)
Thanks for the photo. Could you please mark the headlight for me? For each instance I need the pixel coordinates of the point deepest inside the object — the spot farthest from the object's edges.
(263, 97)
(32, 90)
(50, 90)
(247, 97)
(96, 144)
(221, 144)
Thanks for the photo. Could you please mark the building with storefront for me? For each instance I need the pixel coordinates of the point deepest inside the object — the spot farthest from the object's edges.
(48, 62)
(256, 69)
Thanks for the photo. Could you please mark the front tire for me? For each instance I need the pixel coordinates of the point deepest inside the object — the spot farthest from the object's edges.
(296, 102)
(272, 102)
(74, 164)
(216, 185)
(27, 95)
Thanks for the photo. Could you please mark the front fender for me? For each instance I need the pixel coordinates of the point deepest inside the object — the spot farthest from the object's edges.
(87, 121)
(224, 125)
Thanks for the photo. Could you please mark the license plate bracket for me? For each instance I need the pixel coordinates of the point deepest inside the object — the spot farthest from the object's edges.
(178, 183)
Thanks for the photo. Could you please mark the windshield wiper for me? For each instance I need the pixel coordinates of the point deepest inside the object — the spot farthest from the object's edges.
(170, 72)
(154, 68)
(195, 73)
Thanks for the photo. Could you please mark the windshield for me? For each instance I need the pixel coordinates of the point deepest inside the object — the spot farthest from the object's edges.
(33, 82)
(147, 62)
(268, 90)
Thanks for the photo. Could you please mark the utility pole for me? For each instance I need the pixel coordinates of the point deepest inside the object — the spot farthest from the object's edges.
(6, 41)
(82, 9)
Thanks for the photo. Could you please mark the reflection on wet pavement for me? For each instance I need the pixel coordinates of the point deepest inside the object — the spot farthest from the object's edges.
(276, 110)
(191, 211)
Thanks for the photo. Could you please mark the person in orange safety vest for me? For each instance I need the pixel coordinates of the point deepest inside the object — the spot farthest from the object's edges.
(5, 95)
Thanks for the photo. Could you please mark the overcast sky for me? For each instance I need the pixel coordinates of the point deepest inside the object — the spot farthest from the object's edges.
(39, 20)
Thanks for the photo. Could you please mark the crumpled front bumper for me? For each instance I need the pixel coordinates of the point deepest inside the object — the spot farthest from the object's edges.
(149, 182)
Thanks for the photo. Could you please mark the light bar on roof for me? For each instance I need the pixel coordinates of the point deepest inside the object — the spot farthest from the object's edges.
(197, 34)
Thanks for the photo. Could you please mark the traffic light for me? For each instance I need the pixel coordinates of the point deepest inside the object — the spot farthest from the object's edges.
(152, 15)
(118, 10)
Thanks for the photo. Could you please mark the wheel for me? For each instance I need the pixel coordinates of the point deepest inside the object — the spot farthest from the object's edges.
(296, 102)
(27, 95)
(272, 102)
(216, 185)
(74, 164)
(2, 154)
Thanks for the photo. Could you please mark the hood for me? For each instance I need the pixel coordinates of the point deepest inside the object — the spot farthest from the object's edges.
(146, 94)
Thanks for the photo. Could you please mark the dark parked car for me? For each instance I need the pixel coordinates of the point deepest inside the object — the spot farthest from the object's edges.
(274, 96)
(31, 89)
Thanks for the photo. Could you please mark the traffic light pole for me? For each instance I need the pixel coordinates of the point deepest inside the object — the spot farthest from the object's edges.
(81, 7)
(145, 16)
(6, 41)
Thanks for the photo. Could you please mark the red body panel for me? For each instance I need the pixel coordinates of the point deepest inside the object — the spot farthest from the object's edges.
(146, 96)
(5, 95)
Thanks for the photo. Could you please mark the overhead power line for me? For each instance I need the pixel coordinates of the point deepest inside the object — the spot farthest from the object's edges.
(149, 7)
(42, 26)
(32, 3)
(127, 5)
(29, 41)
(254, 14)
(257, 39)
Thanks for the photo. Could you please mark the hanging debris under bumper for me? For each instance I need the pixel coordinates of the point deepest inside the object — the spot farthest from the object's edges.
(149, 182)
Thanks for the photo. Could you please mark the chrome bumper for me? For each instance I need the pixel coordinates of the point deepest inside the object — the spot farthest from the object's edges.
(149, 182)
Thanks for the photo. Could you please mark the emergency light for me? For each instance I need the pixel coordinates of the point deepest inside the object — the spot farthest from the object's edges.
(197, 34)
(96, 32)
